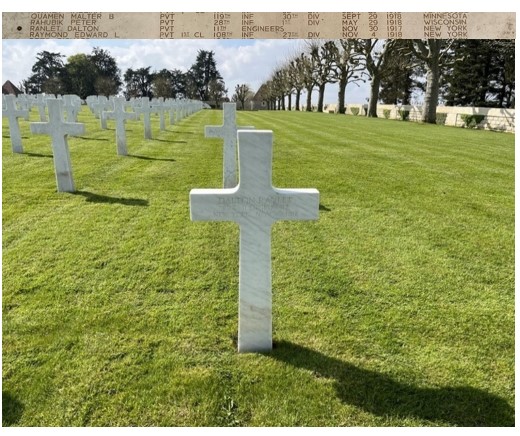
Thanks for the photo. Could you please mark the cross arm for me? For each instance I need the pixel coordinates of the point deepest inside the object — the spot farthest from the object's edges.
(212, 205)
(145, 110)
(124, 115)
(297, 204)
(18, 113)
(65, 129)
(213, 132)
(130, 116)
(75, 129)
(40, 128)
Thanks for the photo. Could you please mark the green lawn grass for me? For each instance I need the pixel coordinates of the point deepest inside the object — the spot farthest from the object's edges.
(395, 308)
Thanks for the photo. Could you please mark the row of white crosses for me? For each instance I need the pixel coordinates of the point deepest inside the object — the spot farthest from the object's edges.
(255, 204)
(101, 107)
(17, 107)
(59, 128)
(72, 104)
(98, 104)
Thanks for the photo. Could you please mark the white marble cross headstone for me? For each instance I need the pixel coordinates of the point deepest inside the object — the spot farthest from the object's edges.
(24, 102)
(146, 109)
(91, 99)
(120, 115)
(70, 108)
(171, 105)
(182, 110)
(255, 205)
(228, 131)
(102, 115)
(98, 106)
(58, 130)
(39, 101)
(13, 114)
(161, 108)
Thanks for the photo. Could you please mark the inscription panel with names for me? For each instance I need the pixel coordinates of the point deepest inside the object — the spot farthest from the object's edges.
(253, 25)
(251, 207)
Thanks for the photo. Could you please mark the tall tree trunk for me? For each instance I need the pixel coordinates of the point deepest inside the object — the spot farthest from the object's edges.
(297, 103)
(431, 97)
(501, 96)
(509, 96)
(321, 95)
(407, 93)
(374, 96)
(341, 96)
(282, 99)
(484, 84)
(309, 99)
(289, 98)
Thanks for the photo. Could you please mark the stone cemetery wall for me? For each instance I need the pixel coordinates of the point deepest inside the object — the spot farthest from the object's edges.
(481, 117)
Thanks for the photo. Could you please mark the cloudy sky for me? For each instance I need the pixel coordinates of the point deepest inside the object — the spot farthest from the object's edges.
(239, 61)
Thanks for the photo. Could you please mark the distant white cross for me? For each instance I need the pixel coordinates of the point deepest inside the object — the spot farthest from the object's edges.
(24, 102)
(161, 108)
(13, 114)
(172, 106)
(58, 130)
(98, 107)
(120, 115)
(146, 109)
(91, 99)
(180, 111)
(228, 131)
(255, 205)
(103, 119)
(70, 108)
(39, 102)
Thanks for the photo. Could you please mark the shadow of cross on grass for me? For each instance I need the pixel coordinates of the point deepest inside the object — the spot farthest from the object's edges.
(12, 409)
(96, 198)
(383, 396)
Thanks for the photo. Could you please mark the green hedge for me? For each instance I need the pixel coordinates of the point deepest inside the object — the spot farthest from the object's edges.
(404, 114)
(472, 121)
(441, 118)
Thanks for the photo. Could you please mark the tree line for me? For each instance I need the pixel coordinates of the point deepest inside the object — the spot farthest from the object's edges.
(462, 72)
(457, 72)
(97, 73)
